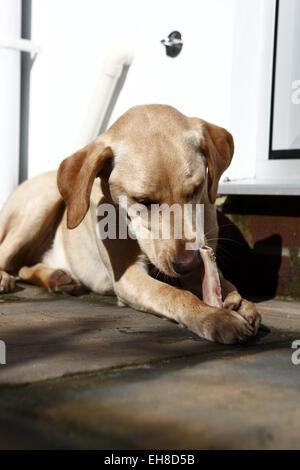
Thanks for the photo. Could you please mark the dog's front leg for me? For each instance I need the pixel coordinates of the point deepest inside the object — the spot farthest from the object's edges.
(137, 289)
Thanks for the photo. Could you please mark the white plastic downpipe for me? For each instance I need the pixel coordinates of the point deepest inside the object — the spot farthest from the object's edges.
(10, 69)
(109, 85)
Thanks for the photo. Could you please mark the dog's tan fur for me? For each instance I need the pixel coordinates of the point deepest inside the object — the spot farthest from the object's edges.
(151, 152)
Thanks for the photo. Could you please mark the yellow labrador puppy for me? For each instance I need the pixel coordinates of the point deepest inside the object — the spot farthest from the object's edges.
(152, 154)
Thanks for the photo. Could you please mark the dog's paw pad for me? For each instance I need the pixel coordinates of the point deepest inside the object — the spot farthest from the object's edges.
(62, 281)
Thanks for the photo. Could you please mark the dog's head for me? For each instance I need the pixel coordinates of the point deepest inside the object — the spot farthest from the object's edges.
(152, 155)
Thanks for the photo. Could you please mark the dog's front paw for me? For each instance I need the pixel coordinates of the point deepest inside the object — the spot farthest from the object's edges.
(7, 282)
(244, 307)
(226, 326)
(248, 311)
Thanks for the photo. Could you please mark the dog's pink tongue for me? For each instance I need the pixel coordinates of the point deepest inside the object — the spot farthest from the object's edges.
(211, 287)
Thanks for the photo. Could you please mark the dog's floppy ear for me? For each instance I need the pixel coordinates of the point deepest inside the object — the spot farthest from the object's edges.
(219, 148)
(75, 178)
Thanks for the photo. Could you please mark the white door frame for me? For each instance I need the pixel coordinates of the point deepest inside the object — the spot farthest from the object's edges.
(283, 169)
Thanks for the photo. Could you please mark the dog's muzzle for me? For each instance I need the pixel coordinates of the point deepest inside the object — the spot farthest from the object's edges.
(187, 261)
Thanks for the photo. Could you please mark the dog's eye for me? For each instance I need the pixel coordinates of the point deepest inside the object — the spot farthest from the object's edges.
(194, 193)
(146, 202)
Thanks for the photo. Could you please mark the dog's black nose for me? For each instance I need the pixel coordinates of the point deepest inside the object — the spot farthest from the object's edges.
(186, 261)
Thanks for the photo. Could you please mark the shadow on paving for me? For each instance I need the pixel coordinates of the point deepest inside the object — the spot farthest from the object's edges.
(243, 398)
(62, 335)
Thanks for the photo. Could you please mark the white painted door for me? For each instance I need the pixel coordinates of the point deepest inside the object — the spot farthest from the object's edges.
(75, 35)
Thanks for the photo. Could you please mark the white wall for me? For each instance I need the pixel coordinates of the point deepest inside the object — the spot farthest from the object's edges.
(75, 35)
(10, 27)
(223, 74)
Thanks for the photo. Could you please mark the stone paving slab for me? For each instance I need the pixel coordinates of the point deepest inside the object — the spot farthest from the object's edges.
(49, 336)
(83, 373)
(244, 399)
